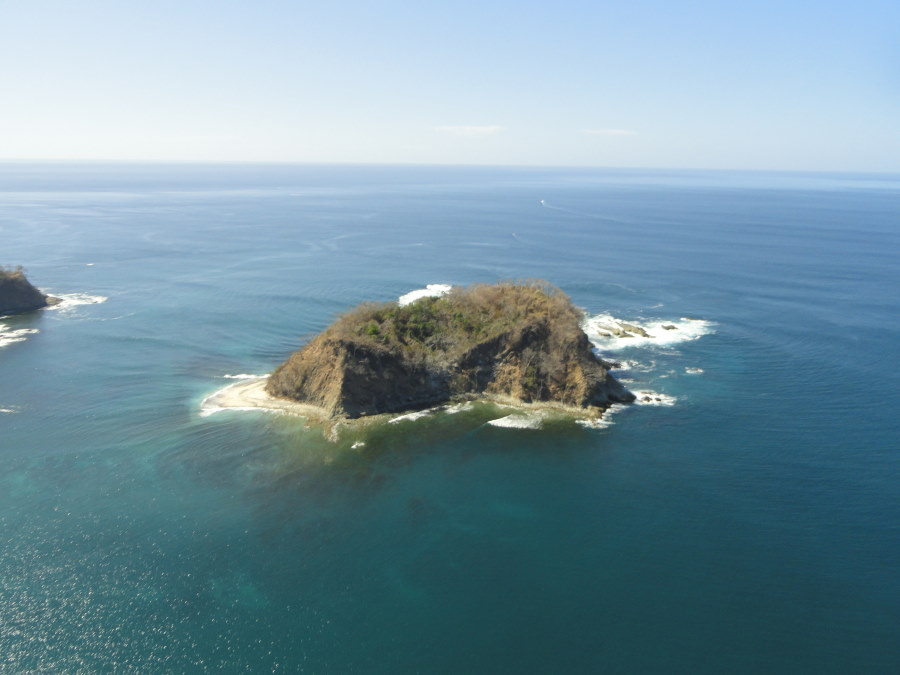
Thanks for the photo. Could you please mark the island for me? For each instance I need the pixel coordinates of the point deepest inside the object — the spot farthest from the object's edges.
(17, 294)
(513, 342)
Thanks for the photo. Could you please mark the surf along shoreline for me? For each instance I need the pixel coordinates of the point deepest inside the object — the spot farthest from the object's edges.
(249, 394)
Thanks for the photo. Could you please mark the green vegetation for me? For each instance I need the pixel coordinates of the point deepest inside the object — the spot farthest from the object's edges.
(517, 340)
(448, 325)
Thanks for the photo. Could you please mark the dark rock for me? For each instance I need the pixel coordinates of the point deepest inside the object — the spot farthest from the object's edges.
(670, 327)
(17, 294)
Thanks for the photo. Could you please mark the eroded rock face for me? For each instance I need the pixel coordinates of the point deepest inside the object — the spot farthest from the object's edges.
(521, 341)
(17, 294)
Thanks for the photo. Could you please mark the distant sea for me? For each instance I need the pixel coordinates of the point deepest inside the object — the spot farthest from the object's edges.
(747, 520)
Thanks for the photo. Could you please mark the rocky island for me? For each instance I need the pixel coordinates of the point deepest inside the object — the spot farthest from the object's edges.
(512, 342)
(17, 294)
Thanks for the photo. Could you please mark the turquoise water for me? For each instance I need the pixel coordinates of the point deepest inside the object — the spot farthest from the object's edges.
(750, 526)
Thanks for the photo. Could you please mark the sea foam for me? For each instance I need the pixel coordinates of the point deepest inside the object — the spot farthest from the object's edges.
(605, 420)
(608, 333)
(72, 300)
(430, 291)
(518, 421)
(458, 407)
(409, 417)
(9, 336)
(647, 397)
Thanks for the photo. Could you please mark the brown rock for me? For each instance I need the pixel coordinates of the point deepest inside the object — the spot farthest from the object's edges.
(521, 341)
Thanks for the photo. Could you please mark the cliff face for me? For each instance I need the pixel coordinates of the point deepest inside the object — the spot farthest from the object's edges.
(17, 294)
(521, 341)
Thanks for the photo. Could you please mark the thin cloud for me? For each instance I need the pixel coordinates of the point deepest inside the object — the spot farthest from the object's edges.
(469, 130)
(609, 132)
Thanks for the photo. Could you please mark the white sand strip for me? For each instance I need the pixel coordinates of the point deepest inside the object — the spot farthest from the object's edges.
(250, 394)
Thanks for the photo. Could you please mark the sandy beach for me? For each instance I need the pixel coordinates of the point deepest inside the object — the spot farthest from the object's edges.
(250, 394)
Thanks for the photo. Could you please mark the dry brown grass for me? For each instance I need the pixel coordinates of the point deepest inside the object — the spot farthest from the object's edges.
(10, 272)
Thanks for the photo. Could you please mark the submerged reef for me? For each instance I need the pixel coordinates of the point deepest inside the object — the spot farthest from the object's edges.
(17, 294)
(514, 342)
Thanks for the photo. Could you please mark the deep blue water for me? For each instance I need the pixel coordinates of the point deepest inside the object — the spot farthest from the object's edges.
(753, 526)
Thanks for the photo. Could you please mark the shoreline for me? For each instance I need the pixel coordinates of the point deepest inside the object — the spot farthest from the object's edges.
(249, 394)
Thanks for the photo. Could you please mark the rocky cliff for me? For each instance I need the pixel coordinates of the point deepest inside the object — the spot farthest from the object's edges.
(512, 341)
(18, 295)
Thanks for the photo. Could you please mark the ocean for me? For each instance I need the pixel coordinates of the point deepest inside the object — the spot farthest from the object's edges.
(745, 518)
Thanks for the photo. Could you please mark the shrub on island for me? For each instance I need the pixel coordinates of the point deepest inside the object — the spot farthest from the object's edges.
(519, 341)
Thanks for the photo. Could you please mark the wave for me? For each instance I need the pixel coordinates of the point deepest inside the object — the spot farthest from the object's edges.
(242, 376)
(409, 417)
(693, 371)
(605, 420)
(634, 366)
(647, 397)
(597, 423)
(207, 409)
(430, 291)
(8, 410)
(518, 421)
(71, 300)
(8, 336)
(608, 333)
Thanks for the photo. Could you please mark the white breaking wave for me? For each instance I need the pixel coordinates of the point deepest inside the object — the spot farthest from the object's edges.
(518, 421)
(608, 333)
(430, 291)
(72, 300)
(647, 397)
(408, 417)
(634, 366)
(207, 409)
(694, 371)
(242, 376)
(8, 337)
(458, 407)
(597, 423)
(8, 410)
(451, 409)
(358, 444)
(605, 420)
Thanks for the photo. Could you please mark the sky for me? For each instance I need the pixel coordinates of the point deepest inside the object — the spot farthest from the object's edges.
(781, 85)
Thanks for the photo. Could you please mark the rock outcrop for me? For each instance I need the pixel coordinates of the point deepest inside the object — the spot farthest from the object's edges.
(510, 341)
(17, 294)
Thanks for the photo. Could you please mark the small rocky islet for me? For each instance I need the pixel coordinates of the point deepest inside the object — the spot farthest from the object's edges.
(18, 295)
(510, 342)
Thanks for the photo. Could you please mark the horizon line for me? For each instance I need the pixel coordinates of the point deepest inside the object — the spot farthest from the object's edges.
(258, 162)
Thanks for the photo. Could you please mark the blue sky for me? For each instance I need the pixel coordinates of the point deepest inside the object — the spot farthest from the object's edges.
(644, 83)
